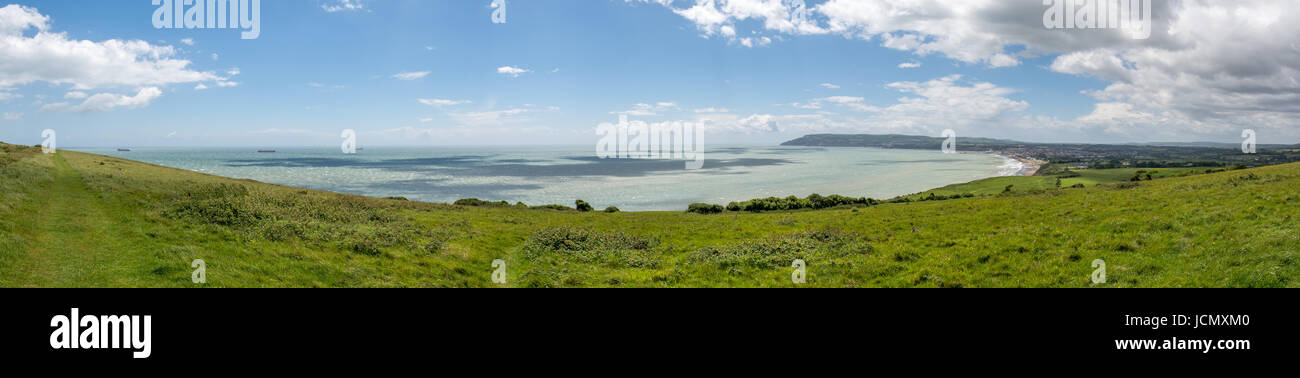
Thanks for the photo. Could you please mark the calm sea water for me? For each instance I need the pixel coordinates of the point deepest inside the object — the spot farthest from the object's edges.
(546, 175)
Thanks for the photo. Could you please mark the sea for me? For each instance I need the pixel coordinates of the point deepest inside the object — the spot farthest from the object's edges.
(539, 175)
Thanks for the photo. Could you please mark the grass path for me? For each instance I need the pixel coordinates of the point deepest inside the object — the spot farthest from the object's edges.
(74, 238)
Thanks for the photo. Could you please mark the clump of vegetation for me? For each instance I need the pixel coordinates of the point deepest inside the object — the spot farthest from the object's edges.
(479, 203)
(11, 153)
(1239, 180)
(611, 209)
(475, 202)
(565, 257)
(932, 196)
(361, 225)
(704, 208)
(780, 252)
(1140, 174)
(813, 202)
(582, 206)
(565, 239)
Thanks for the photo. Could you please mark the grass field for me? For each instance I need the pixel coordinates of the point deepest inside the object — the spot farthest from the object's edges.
(992, 186)
(1086, 177)
(79, 220)
(1090, 177)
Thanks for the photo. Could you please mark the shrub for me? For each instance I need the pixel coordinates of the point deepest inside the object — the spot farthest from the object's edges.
(814, 202)
(778, 252)
(350, 223)
(574, 239)
(582, 206)
(704, 208)
(479, 202)
(611, 209)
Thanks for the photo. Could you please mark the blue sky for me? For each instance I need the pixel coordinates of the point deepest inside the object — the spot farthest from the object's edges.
(431, 72)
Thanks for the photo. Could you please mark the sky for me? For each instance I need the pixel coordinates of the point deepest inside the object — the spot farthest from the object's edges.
(444, 72)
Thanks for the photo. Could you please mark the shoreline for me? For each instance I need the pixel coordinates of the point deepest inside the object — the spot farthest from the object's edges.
(1027, 167)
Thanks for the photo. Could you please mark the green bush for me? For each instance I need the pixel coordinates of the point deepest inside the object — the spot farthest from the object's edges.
(611, 209)
(575, 239)
(582, 206)
(704, 208)
(779, 252)
(479, 202)
(814, 202)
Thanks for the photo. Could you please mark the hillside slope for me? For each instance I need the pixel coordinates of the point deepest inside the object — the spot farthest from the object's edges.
(80, 220)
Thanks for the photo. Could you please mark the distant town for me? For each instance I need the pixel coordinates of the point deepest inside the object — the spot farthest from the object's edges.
(1077, 156)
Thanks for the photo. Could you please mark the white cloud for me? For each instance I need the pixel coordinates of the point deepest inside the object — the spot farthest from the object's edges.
(226, 84)
(1203, 80)
(490, 118)
(810, 106)
(925, 108)
(411, 75)
(54, 58)
(200, 87)
(322, 85)
(713, 110)
(343, 5)
(188, 41)
(6, 96)
(912, 64)
(233, 71)
(108, 101)
(755, 41)
(13, 116)
(438, 103)
(76, 95)
(729, 123)
(1209, 69)
(842, 99)
(830, 86)
(646, 110)
(14, 19)
(512, 71)
(945, 102)
(426, 120)
(724, 17)
(855, 103)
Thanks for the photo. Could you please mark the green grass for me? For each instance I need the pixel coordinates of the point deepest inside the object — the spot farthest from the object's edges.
(992, 186)
(80, 220)
(1090, 177)
(1086, 177)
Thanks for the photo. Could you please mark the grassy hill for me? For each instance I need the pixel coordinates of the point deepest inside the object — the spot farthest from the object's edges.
(1084, 177)
(80, 220)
